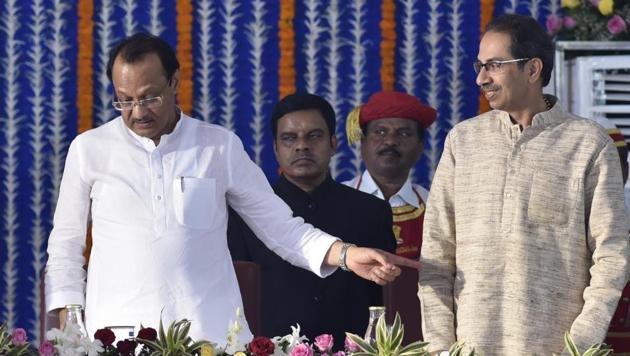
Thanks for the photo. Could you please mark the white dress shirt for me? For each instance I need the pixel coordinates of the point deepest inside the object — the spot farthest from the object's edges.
(405, 195)
(159, 219)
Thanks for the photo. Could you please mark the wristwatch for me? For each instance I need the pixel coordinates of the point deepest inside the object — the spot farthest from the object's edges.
(342, 255)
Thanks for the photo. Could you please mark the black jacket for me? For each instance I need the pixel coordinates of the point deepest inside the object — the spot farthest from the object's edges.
(293, 295)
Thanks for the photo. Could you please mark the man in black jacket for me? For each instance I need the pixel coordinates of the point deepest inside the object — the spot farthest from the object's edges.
(303, 128)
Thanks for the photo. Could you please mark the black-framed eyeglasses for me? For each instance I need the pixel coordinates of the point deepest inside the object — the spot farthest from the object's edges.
(494, 66)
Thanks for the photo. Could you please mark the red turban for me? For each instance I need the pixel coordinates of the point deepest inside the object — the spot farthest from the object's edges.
(388, 104)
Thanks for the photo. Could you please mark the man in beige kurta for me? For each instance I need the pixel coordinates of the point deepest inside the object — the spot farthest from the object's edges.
(525, 233)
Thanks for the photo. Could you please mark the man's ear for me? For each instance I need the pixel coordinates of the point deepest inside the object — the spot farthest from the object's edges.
(333, 142)
(175, 82)
(535, 69)
(275, 148)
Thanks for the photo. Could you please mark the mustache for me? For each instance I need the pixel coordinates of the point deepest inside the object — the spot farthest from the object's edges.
(487, 87)
(390, 150)
(300, 156)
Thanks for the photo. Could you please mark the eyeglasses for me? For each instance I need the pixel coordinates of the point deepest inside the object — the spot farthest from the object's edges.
(495, 66)
(148, 103)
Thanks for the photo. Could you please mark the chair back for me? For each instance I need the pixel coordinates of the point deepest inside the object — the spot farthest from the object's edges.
(47, 321)
(402, 296)
(248, 275)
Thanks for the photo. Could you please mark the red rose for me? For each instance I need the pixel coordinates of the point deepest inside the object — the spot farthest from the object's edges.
(261, 346)
(126, 347)
(147, 334)
(106, 336)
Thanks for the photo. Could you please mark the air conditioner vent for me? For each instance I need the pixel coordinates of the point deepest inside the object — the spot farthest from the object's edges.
(600, 88)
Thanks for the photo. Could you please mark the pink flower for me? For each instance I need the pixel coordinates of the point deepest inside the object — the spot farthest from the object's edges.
(595, 2)
(302, 350)
(350, 345)
(324, 342)
(616, 25)
(46, 349)
(18, 337)
(339, 353)
(554, 24)
(569, 22)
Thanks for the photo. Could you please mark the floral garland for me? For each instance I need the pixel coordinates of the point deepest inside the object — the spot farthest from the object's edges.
(487, 9)
(85, 9)
(286, 35)
(388, 43)
(175, 341)
(184, 53)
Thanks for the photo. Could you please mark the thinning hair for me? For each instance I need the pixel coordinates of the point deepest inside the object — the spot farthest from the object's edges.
(137, 46)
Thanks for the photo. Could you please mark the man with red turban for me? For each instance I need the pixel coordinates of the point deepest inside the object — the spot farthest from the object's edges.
(391, 128)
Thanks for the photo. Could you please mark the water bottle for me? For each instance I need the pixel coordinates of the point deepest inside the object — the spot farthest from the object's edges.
(74, 316)
(370, 332)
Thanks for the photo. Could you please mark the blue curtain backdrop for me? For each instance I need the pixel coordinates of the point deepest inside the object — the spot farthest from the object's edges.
(235, 80)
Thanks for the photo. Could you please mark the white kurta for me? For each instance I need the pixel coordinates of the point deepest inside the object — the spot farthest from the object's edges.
(159, 218)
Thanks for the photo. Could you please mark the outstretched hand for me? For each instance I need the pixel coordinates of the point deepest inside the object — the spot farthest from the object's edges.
(377, 265)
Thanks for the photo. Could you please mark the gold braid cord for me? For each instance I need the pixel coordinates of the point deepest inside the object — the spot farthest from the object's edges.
(353, 130)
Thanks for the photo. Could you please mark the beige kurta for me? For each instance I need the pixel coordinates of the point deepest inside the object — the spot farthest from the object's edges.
(525, 236)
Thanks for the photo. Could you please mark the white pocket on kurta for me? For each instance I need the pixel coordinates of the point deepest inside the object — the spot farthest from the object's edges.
(194, 199)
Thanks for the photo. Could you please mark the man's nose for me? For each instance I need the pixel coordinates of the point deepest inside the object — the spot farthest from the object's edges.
(138, 110)
(391, 139)
(302, 144)
(482, 77)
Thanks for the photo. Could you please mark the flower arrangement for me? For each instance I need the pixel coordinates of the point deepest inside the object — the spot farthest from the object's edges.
(175, 341)
(389, 341)
(171, 342)
(591, 20)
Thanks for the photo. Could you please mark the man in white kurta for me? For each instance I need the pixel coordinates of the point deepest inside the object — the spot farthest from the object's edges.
(157, 184)
(158, 226)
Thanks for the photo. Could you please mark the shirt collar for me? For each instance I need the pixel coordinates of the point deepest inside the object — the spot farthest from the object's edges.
(406, 193)
(284, 186)
(165, 139)
(551, 117)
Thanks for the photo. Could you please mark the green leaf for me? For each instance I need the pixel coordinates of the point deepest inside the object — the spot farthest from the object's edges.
(153, 345)
(570, 345)
(456, 349)
(162, 337)
(415, 348)
(196, 346)
(363, 354)
(19, 350)
(383, 343)
(170, 340)
(598, 350)
(397, 332)
(185, 329)
(363, 345)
